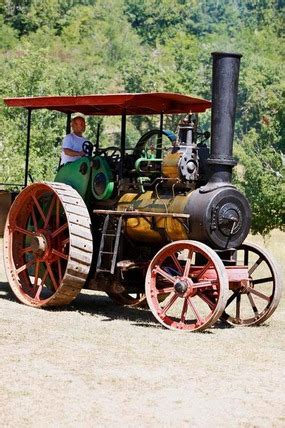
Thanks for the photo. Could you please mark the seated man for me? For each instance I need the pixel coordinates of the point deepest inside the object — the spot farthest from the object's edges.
(72, 143)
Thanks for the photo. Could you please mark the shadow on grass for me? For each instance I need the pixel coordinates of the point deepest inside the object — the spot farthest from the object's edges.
(102, 306)
(95, 305)
(98, 305)
(6, 292)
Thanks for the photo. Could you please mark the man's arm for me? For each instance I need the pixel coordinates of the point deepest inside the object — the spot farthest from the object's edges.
(73, 153)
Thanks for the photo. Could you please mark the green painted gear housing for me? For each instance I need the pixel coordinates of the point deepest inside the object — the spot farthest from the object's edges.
(92, 178)
(76, 174)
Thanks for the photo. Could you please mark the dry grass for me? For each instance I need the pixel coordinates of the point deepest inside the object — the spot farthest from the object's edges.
(95, 364)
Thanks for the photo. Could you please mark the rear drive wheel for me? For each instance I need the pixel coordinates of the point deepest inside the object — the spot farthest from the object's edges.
(47, 244)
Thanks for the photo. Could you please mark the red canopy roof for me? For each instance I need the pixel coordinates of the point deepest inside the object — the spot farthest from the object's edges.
(115, 104)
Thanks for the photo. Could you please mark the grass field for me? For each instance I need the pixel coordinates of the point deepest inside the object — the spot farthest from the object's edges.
(96, 364)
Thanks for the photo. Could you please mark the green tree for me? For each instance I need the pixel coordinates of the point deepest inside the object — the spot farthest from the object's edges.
(91, 46)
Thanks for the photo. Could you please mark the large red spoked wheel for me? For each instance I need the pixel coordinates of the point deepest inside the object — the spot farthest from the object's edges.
(47, 244)
(254, 302)
(186, 286)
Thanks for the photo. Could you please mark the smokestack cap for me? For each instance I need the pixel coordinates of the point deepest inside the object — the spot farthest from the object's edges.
(231, 54)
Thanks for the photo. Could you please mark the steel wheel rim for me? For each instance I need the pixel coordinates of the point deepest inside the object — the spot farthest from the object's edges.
(201, 300)
(261, 297)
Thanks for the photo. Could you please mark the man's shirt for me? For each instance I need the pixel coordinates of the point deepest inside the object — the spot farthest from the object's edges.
(73, 142)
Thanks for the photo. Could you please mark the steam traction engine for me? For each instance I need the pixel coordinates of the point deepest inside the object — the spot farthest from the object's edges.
(162, 227)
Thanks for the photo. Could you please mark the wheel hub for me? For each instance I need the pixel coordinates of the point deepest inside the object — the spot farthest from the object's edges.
(181, 286)
(39, 245)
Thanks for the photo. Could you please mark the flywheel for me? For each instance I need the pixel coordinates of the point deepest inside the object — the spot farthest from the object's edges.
(47, 244)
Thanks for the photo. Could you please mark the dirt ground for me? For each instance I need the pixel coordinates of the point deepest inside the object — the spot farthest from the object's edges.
(94, 364)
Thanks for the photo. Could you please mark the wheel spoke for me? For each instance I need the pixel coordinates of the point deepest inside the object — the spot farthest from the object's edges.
(177, 264)
(25, 266)
(34, 219)
(164, 290)
(184, 311)
(39, 208)
(169, 304)
(202, 284)
(36, 273)
(40, 287)
(38, 293)
(49, 211)
(261, 280)
(59, 254)
(255, 266)
(65, 242)
(207, 300)
(194, 309)
(253, 305)
(165, 275)
(25, 250)
(246, 253)
(53, 280)
(59, 230)
(233, 296)
(238, 306)
(24, 231)
(59, 270)
(44, 277)
(188, 264)
(259, 294)
(205, 268)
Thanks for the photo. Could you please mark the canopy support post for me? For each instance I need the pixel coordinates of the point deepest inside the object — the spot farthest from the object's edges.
(28, 146)
(97, 137)
(68, 117)
(123, 140)
(159, 139)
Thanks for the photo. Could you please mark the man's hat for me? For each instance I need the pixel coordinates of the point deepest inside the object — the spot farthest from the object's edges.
(75, 115)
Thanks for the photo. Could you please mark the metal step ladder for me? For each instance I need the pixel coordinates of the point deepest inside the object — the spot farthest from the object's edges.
(109, 245)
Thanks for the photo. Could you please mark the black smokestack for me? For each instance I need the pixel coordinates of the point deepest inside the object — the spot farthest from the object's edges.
(224, 100)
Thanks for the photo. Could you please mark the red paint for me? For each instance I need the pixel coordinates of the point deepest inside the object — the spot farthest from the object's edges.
(115, 104)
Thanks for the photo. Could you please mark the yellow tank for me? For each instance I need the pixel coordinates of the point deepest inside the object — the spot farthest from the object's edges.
(158, 229)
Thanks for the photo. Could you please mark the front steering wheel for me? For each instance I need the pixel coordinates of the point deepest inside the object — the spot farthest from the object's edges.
(87, 148)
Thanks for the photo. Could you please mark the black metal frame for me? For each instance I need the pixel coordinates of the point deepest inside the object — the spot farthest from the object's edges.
(68, 119)
(68, 128)
(159, 140)
(123, 140)
(28, 147)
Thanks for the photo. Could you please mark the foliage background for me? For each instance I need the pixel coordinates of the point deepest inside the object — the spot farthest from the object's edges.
(73, 47)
